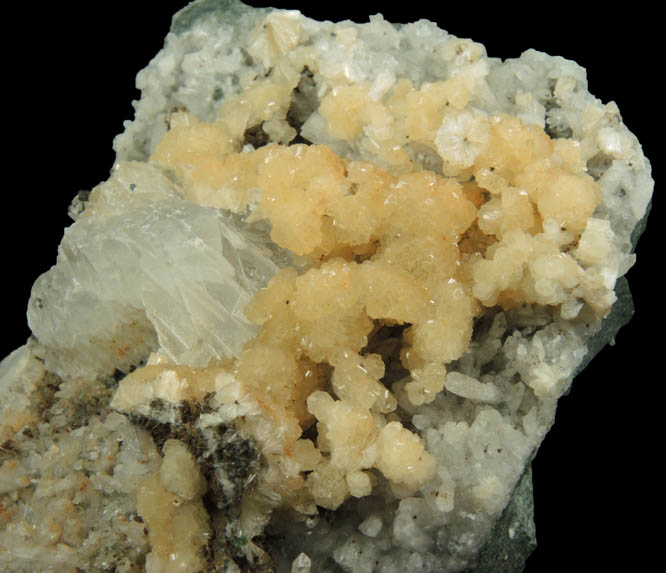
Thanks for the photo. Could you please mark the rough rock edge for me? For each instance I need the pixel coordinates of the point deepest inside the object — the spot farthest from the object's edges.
(184, 19)
(504, 552)
(513, 537)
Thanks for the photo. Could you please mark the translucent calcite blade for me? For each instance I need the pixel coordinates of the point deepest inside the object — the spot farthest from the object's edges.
(143, 269)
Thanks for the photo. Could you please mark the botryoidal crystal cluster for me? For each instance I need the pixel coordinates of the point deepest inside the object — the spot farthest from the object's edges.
(320, 315)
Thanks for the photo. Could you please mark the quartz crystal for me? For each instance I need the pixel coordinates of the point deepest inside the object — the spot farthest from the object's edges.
(321, 313)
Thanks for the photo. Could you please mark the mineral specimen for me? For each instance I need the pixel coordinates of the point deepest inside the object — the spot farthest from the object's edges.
(320, 315)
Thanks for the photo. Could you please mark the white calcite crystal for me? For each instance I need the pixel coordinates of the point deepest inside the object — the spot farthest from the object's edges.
(320, 315)
(155, 271)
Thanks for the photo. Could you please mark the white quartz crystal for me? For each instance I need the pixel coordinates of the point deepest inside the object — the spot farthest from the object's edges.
(301, 564)
(470, 388)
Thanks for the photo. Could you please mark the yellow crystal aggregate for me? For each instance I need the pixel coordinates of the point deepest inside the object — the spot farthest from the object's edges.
(508, 221)
(169, 501)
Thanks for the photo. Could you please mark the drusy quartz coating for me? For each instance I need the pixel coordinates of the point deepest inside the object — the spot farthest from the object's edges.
(319, 316)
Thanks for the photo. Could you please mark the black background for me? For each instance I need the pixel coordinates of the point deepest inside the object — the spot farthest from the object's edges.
(68, 82)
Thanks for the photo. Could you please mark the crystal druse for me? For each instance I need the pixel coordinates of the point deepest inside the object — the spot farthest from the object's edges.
(320, 315)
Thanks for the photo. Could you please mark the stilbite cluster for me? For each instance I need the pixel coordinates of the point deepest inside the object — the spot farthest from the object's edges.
(340, 276)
